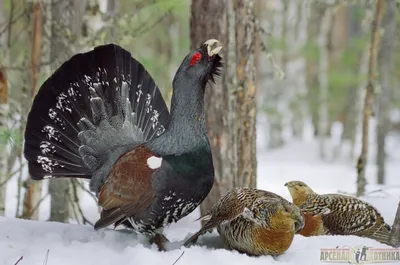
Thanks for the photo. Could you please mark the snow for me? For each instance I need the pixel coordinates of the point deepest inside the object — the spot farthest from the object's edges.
(298, 160)
(76, 244)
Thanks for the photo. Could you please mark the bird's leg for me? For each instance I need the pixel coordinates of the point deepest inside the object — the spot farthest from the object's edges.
(159, 240)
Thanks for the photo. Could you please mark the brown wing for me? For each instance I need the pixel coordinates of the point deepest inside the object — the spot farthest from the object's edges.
(128, 189)
(227, 208)
(235, 203)
(351, 216)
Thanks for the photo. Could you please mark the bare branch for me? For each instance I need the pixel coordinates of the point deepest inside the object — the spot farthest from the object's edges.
(46, 257)
(18, 260)
(264, 48)
(143, 28)
(86, 190)
(178, 258)
(10, 24)
(13, 19)
(75, 201)
(72, 203)
(11, 175)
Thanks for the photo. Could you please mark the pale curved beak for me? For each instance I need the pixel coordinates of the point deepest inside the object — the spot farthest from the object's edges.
(210, 43)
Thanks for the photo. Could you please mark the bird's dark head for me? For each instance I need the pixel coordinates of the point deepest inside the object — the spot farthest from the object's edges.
(201, 65)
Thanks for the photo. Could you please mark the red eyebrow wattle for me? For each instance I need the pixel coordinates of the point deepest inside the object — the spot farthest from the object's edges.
(195, 58)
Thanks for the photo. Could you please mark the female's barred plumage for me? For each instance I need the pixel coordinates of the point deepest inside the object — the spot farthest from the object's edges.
(253, 221)
(340, 214)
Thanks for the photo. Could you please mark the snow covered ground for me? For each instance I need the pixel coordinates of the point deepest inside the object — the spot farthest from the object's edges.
(77, 244)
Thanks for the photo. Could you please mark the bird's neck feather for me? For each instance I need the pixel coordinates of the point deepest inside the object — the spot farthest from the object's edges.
(301, 197)
(187, 130)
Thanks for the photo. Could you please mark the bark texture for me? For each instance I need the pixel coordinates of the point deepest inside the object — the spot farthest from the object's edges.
(3, 115)
(385, 57)
(33, 189)
(367, 111)
(323, 63)
(66, 27)
(230, 105)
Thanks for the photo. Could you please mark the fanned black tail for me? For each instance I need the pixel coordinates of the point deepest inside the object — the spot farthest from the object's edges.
(92, 108)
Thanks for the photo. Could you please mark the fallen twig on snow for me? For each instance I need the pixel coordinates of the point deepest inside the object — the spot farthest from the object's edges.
(178, 258)
(46, 257)
(19, 260)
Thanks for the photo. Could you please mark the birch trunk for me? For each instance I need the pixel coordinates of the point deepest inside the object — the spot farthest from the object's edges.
(60, 23)
(353, 108)
(296, 38)
(275, 97)
(3, 114)
(358, 103)
(77, 12)
(66, 27)
(230, 105)
(386, 72)
(314, 19)
(322, 42)
(3, 145)
(368, 100)
(112, 9)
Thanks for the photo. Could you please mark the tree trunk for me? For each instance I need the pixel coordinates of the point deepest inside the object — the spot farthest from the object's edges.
(296, 37)
(322, 42)
(230, 105)
(355, 96)
(33, 192)
(358, 102)
(386, 72)
(112, 10)
(362, 160)
(3, 114)
(395, 233)
(315, 16)
(64, 18)
(275, 96)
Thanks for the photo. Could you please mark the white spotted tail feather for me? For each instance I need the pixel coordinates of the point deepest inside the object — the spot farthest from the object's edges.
(94, 108)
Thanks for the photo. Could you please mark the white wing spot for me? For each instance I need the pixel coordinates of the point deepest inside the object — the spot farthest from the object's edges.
(154, 162)
(247, 213)
(326, 211)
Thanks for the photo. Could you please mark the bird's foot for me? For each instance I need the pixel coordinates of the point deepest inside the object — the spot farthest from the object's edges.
(189, 242)
(160, 240)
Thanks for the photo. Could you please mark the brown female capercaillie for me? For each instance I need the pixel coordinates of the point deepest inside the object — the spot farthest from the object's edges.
(337, 214)
(252, 221)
